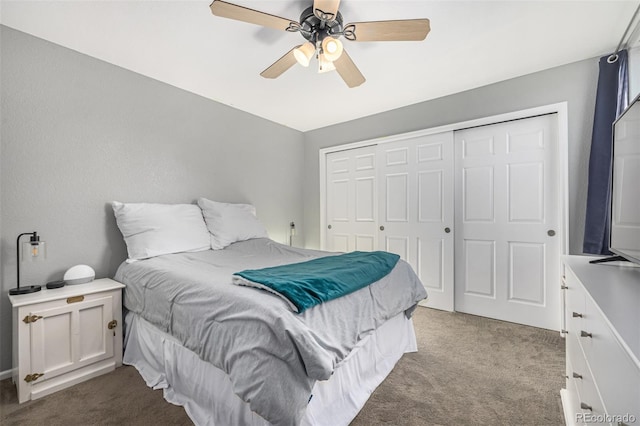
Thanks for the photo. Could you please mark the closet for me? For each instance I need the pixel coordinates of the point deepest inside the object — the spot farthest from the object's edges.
(476, 212)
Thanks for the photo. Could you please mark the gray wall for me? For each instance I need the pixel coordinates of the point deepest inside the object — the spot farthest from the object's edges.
(574, 83)
(78, 133)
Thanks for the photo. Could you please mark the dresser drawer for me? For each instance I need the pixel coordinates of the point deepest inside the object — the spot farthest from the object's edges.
(575, 302)
(617, 375)
(588, 395)
(572, 400)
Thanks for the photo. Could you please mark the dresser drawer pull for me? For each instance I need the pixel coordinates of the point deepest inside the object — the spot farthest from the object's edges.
(585, 406)
(585, 334)
(563, 287)
(576, 315)
(577, 376)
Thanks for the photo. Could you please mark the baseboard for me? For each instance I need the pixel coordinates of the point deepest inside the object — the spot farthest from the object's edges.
(564, 397)
(5, 374)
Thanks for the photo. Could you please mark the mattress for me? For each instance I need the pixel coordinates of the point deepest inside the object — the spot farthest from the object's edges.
(272, 356)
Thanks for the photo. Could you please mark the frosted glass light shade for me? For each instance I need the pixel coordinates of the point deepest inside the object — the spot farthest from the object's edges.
(325, 65)
(34, 251)
(332, 48)
(304, 53)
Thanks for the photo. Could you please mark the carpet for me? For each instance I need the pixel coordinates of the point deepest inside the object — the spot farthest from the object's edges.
(468, 370)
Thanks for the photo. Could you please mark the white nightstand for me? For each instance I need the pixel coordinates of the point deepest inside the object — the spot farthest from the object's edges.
(65, 336)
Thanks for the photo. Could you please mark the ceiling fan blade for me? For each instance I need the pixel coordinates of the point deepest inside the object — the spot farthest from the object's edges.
(326, 10)
(281, 65)
(240, 13)
(348, 70)
(401, 30)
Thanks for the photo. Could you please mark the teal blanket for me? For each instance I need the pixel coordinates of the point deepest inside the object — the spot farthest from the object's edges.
(307, 284)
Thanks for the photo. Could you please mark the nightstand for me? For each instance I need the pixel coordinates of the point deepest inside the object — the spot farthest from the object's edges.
(65, 336)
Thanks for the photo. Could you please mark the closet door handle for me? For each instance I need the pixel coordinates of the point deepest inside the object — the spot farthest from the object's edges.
(447, 229)
(329, 227)
(585, 334)
(381, 228)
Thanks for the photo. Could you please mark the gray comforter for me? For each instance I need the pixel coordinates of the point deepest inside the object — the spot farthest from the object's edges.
(272, 355)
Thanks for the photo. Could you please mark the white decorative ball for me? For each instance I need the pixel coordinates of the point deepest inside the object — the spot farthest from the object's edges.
(79, 274)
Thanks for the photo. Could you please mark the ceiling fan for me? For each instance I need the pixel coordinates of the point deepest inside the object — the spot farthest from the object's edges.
(322, 26)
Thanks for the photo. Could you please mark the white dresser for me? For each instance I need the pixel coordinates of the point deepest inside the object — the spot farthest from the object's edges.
(602, 326)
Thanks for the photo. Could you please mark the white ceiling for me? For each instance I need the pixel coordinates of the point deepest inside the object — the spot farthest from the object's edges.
(471, 44)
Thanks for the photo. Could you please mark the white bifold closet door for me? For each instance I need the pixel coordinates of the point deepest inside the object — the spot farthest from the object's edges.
(351, 200)
(484, 199)
(507, 216)
(397, 197)
(416, 210)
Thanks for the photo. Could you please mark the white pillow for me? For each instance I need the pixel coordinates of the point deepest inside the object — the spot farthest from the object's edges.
(155, 229)
(229, 223)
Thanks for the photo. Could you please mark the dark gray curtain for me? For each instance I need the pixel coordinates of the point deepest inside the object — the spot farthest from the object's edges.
(612, 98)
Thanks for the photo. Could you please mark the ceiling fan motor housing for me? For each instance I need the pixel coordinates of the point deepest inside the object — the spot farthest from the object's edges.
(315, 29)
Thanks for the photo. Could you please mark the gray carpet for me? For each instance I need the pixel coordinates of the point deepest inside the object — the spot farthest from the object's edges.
(468, 371)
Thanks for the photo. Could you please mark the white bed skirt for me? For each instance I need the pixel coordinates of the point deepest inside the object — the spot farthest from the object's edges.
(206, 391)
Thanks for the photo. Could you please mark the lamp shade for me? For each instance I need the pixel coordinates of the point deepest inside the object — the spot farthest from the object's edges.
(324, 65)
(34, 251)
(331, 48)
(304, 53)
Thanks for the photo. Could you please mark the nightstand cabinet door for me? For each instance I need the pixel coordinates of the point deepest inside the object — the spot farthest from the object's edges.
(71, 336)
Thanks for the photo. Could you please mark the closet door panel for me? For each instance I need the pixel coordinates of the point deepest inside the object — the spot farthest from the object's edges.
(507, 247)
(351, 200)
(416, 216)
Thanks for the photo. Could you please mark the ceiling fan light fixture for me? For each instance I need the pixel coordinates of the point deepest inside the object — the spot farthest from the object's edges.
(324, 65)
(332, 48)
(304, 53)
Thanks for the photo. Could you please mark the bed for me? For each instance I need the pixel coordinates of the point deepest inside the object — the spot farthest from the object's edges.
(236, 355)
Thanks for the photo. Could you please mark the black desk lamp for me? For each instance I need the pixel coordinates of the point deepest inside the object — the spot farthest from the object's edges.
(33, 250)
